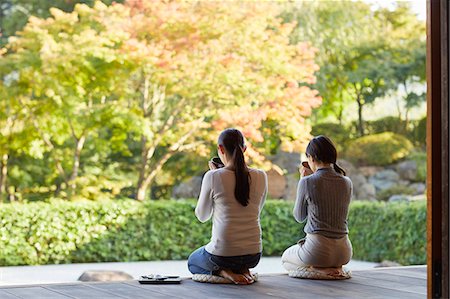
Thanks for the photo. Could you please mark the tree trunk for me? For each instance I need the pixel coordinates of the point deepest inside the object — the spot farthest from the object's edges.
(406, 120)
(145, 151)
(340, 114)
(141, 190)
(76, 162)
(360, 117)
(3, 174)
(150, 177)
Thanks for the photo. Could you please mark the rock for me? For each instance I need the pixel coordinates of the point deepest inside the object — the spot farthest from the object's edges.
(287, 161)
(365, 192)
(104, 275)
(419, 188)
(347, 166)
(358, 180)
(418, 197)
(387, 263)
(403, 182)
(369, 171)
(398, 198)
(384, 179)
(189, 189)
(277, 182)
(291, 186)
(407, 170)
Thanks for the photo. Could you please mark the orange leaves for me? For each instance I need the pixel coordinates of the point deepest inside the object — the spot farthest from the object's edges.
(246, 118)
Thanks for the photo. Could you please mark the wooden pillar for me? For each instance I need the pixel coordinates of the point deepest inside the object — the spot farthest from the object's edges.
(437, 148)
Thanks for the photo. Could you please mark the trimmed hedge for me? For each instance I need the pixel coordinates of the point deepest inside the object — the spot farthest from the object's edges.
(389, 231)
(78, 232)
(378, 149)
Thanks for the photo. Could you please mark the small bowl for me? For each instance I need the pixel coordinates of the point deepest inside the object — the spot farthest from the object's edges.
(217, 162)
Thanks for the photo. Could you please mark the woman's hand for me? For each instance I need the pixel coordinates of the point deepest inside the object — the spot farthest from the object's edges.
(305, 171)
(211, 165)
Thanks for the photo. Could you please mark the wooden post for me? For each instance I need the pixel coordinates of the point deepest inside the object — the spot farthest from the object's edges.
(437, 148)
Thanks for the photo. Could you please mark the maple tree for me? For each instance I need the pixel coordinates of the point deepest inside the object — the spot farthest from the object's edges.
(153, 79)
(214, 62)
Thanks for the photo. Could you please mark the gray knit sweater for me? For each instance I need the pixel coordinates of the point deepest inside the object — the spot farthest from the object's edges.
(323, 199)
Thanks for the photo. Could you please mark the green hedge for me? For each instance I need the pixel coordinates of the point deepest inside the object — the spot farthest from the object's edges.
(389, 231)
(78, 232)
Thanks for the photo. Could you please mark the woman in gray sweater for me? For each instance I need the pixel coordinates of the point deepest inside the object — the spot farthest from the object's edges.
(323, 198)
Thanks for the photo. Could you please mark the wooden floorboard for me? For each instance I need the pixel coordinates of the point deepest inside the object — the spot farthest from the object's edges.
(5, 295)
(394, 284)
(82, 291)
(125, 289)
(35, 292)
(402, 282)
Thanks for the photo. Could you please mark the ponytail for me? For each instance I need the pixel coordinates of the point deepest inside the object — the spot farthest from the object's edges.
(242, 188)
(233, 141)
(338, 169)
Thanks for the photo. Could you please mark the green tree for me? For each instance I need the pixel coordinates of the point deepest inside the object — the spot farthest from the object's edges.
(14, 14)
(67, 68)
(363, 52)
(145, 81)
(407, 39)
(206, 61)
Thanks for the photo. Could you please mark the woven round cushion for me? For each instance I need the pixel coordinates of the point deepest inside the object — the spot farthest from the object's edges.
(310, 273)
(208, 278)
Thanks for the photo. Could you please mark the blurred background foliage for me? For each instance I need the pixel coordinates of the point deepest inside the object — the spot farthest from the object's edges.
(126, 99)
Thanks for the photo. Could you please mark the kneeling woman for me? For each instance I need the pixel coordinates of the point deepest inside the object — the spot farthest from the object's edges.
(234, 196)
(323, 198)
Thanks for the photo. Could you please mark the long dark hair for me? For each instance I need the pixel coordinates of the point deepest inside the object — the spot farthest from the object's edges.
(322, 149)
(233, 142)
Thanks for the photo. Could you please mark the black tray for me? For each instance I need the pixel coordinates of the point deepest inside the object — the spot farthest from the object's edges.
(159, 279)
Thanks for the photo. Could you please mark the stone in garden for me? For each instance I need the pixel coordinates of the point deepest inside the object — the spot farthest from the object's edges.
(291, 186)
(407, 170)
(347, 166)
(384, 179)
(365, 192)
(399, 198)
(188, 189)
(277, 182)
(387, 263)
(419, 188)
(358, 180)
(418, 197)
(404, 182)
(287, 161)
(104, 275)
(369, 171)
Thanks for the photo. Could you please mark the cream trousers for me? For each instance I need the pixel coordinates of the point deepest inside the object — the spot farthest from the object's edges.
(319, 251)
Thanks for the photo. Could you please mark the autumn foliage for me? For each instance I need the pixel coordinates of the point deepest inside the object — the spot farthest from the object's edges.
(141, 82)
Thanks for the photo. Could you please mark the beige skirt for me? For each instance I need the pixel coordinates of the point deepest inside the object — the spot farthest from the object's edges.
(319, 251)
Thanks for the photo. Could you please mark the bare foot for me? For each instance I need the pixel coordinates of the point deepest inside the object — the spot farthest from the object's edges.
(234, 277)
(248, 275)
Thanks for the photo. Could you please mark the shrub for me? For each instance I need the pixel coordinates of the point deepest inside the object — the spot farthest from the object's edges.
(339, 134)
(379, 149)
(386, 124)
(385, 194)
(389, 231)
(113, 231)
(421, 161)
(419, 132)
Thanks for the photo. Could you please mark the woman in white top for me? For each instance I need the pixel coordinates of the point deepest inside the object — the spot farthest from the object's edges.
(233, 196)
